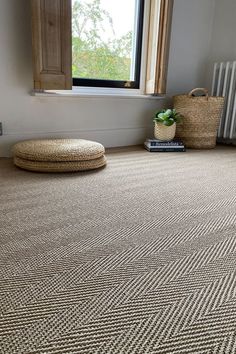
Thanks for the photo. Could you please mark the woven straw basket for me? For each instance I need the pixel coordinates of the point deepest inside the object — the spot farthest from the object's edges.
(164, 133)
(201, 114)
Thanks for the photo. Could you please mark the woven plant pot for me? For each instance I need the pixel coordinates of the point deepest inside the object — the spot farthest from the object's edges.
(198, 129)
(164, 133)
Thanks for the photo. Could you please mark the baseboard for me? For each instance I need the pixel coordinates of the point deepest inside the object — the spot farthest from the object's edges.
(107, 137)
(226, 141)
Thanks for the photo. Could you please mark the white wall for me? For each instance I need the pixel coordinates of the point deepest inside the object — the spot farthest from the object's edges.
(223, 45)
(112, 121)
(223, 42)
(190, 44)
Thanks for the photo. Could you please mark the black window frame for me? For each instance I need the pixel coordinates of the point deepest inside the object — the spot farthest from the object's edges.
(138, 58)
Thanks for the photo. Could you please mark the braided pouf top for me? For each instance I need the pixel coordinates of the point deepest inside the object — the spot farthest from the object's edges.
(58, 150)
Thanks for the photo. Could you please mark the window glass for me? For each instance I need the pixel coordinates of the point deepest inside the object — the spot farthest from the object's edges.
(106, 35)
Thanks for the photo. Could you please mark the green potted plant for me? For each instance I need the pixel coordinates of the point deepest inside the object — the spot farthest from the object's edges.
(165, 124)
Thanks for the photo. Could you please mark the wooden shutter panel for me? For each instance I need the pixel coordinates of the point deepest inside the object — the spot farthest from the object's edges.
(158, 45)
(51, 36)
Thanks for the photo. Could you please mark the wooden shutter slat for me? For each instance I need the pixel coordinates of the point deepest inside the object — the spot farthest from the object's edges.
(51, 35)
(158, 45)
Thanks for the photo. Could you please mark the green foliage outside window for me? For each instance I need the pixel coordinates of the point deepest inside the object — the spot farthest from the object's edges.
(94, 57)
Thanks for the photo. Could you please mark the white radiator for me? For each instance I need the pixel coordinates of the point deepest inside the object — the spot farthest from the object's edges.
(224, 84)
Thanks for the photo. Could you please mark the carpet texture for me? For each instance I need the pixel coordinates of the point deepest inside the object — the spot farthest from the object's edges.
(136, 258)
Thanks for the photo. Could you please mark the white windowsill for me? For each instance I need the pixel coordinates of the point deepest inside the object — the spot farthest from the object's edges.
(85, 92)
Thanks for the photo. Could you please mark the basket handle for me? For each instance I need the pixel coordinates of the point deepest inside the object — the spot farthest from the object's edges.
(199, 89)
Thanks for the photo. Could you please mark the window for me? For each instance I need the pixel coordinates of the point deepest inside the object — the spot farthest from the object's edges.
(99, 43)
(107, 42)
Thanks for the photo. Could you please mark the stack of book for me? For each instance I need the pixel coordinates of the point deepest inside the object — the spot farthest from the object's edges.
(154, 145)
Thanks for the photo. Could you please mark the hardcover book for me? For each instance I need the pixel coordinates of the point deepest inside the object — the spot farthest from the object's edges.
(164, 148)
(155, 142)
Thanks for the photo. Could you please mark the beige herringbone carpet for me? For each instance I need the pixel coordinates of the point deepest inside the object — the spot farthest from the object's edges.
(137, 258)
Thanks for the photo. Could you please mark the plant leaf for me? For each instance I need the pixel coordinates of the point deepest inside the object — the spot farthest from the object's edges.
(159, 120)
(169, 122)
(161, 115)
(170, 116)
(158, 112)
(168, 112)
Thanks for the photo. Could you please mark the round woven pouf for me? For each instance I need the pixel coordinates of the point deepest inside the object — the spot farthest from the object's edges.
(59, 155)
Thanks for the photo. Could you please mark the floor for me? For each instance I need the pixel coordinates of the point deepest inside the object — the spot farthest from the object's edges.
(136, 258)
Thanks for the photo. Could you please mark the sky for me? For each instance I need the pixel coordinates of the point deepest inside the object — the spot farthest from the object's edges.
(122, 13)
